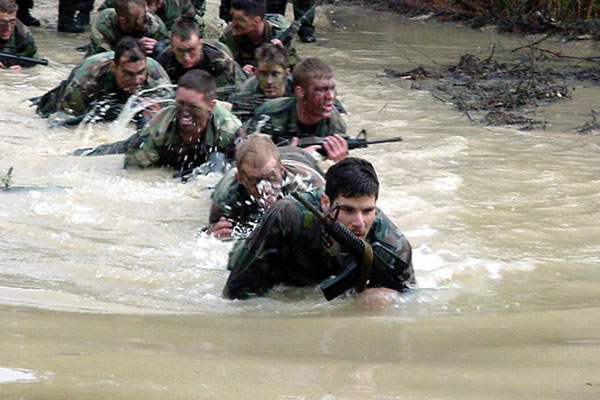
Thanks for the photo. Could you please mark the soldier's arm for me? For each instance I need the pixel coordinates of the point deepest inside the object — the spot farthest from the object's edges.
(75, 100)
(29, 49)
(146, 153)
(100, 38)
(259, 263)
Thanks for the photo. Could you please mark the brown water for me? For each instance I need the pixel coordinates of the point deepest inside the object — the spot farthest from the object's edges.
(106, 292)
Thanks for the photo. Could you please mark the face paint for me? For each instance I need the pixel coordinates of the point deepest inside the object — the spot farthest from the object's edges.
(271, 78)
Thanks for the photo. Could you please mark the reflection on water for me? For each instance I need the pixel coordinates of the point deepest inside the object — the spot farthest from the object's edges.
(498, 219)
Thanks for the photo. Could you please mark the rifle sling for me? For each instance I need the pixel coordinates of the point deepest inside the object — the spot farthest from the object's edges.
(365, 268)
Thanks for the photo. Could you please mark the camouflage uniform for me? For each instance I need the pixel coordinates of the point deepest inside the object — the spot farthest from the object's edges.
(243, 48)
(93, 81)
(106, 31)
(21, 42)
(160, 143)
(232, 200)
(216, 60)
(171, 10)
(290, 247)
(282, 121)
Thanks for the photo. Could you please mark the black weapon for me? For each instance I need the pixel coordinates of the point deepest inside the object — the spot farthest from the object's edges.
(286, 36)
(353, 143)
(369, 258)
(14, 59)
(215, 162)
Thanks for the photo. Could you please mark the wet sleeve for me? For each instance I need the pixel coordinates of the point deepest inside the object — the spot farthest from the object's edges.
(260, 262)
(145, 154)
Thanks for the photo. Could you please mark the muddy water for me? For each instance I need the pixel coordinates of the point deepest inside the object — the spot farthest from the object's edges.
(107, 292)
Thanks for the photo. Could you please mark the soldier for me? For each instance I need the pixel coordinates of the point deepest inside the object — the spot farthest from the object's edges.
(301, 7)
(271, 75)
(188, 51)
(167, 10)
(15, 38)
(289, 245)
(311, 112)
(107, 77)
(182, 136)
(250, 28)
(24, 13)
(264, 174)
(128, 18)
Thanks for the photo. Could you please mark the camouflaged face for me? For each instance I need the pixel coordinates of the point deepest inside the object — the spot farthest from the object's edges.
(21, 42)
(243, 48)
(278, 118)
(231, 200)
(216, 60)
(162, 145)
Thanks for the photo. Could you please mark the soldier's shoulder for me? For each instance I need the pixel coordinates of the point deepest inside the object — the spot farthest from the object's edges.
(225, 187)
(106, 17)
(280, 105)
(225, 119)
(22, 31)
(216, 48)
(94, 64)
(277, 21)
(249, 87)
(155, 21)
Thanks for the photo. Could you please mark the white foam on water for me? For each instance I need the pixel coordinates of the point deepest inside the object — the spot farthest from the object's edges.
(8, 375)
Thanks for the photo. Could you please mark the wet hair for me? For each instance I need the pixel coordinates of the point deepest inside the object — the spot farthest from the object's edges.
(310, 69)
(200, 81)
(252, 8)
(130, 49)
(185, 27)
(351, 177)
(273, 54)
(257, 148)
(122, 6)
(8, 6)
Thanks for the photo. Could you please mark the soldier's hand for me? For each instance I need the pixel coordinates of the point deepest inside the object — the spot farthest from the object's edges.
(278, 42)
(222, 229)
(16, 68)
(148, 44)
(294, 141)
(336, 147)
(248, 68)
(2, 65)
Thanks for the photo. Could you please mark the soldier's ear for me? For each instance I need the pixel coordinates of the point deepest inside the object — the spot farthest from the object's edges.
(299, 91)
(212, 104)
(113, 66)
(325, 202)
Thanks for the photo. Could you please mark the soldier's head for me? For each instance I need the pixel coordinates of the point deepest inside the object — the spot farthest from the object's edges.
(132, 16)
(186, 42)
(8, 18)
(194, 101)
(247, 16)
(353, 185)
(314, 88)
(259, 168)
(129, 65)
(155, 5)
(272, 70)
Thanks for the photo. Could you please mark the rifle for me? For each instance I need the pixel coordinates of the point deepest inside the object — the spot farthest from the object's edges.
(286, 36)
(372, 264)
(353, 143)
(14, 59)
(215, 162)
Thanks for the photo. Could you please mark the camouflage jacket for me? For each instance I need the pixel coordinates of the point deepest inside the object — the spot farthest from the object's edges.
(161, 144)
(92, 81)
(243, 48)
(106, 31)
(170, 11)
(279, 119)
(232, 200)
(216, 60)
(21, 42)
(289, 246)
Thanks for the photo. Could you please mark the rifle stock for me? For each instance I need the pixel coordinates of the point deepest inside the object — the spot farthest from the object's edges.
(354, 274)
(9, 60)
